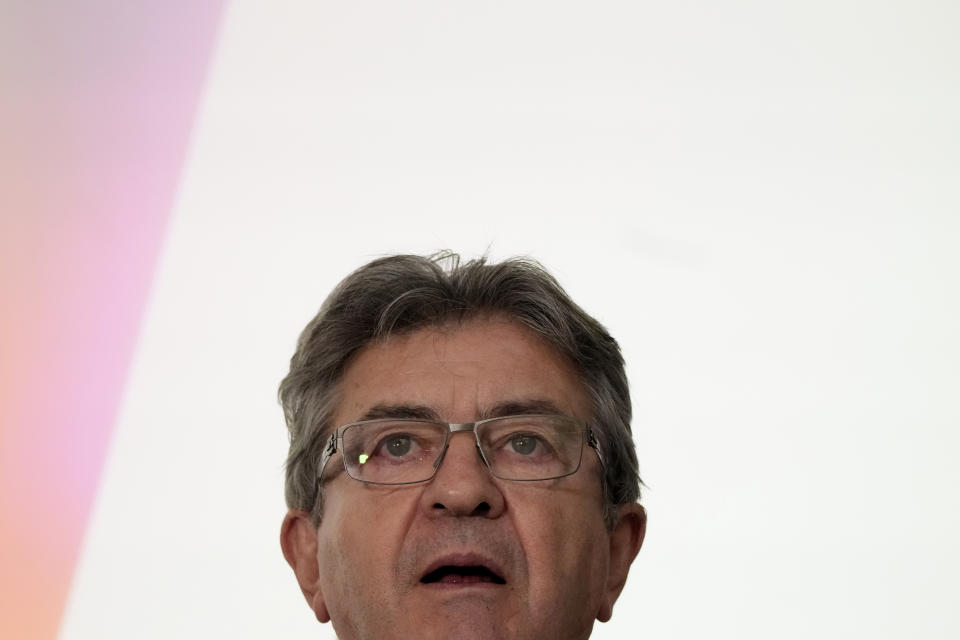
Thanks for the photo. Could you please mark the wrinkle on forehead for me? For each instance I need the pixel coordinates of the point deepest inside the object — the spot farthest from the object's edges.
(463, 368)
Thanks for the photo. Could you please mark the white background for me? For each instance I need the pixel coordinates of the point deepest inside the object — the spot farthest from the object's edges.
(759, 200)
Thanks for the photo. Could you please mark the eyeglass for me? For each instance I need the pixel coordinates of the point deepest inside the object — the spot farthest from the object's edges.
(406, 451)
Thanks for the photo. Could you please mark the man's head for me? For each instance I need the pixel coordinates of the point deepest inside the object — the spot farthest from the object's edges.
(403, 346)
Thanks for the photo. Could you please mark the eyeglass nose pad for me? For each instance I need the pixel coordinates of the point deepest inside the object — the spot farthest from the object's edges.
(443, 454)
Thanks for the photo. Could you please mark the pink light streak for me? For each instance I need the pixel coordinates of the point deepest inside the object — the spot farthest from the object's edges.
(98, 100)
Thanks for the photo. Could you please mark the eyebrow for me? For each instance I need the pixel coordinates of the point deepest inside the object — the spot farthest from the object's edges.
(528, 407)
(522, 408)
(415, 412)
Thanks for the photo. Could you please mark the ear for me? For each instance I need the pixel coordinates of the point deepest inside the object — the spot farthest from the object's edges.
(298, 539)
(625, 540)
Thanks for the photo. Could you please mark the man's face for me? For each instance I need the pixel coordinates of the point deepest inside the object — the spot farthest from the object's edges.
(544, 543)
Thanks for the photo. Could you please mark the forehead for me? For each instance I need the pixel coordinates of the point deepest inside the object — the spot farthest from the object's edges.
(461, 371)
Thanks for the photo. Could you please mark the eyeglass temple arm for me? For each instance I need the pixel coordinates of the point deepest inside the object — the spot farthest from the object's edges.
(592, 441)
(328, 452)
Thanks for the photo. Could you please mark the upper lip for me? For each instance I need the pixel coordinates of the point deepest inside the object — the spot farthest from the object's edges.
(467, 559)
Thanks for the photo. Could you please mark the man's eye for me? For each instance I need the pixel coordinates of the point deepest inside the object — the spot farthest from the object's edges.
(397, 445)
(524, 444)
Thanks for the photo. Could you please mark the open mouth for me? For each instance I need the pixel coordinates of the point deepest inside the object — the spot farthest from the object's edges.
(472, 574)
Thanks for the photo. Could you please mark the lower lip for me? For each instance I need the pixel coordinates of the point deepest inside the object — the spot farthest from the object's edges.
(455, 582)
(459, 579)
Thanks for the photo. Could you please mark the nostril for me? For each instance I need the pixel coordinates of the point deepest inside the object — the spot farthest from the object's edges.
(481, 509)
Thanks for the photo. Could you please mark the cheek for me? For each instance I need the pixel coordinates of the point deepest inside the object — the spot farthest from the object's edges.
(346, 555)
(361, 535)
(564, 539)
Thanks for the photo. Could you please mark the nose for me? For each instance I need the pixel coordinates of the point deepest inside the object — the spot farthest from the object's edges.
(463, 485)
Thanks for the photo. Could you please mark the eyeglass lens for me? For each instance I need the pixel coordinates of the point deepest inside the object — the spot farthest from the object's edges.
(515, 448)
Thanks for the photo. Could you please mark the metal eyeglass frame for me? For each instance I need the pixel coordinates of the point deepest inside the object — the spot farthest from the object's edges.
(455, 427)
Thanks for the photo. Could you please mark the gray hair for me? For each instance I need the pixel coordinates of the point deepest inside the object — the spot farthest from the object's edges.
(398, 294)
